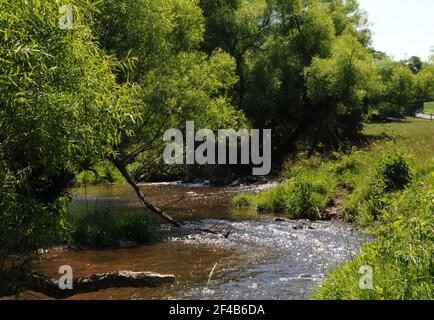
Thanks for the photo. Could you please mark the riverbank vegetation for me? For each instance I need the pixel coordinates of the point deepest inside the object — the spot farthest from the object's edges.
(110, 230)
(388, 189)
(89, 104)
(400, 213)
(401, 258)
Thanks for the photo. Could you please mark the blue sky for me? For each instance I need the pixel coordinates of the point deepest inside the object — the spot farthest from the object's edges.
(402, 28)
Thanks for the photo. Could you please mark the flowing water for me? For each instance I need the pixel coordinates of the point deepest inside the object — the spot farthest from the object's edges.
(261, 258)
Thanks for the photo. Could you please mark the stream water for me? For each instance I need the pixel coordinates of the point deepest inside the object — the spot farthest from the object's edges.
(261, 258)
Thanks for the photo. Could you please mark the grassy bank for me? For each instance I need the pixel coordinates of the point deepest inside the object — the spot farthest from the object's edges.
(109, 230)
(306, 194)
(388, 189)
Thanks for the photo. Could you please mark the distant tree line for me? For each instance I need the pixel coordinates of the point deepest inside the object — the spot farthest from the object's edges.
(307, 70)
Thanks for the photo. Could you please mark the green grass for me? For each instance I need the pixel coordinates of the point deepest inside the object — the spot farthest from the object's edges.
(429, 108)
(402, 258)
(304, 196)
(106, 230)
(389, 189)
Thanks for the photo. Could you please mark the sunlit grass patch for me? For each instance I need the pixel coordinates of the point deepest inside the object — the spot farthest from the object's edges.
(429, 107)
(402, 219)
(390, 191)
(401, 259)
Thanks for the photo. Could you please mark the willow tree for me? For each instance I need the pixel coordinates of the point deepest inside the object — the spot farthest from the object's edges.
(339, 86)
(237, 27)
(273, 41)
(276, 94)
(159, 42)
(60, 111)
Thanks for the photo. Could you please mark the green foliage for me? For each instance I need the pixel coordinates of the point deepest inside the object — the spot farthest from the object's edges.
(399, 88)
(394, 172)
(103, 172)
(370, 198)
(144, 33)
(339, 86)
(130, 69)
(395, 202)
(27, 224)
(307, 71)
(159, 43)
(104, 230)
(299, 199)
(415, 64)
(402, 203)
(369, 184)
(347, 169)
(401, 258)
(405, 91)
(305, 198)
(58, 106)
(243, 200)
(273, 42)
(61, 111)
(392, 194)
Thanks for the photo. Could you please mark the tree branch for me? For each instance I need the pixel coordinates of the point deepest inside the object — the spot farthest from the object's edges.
(145, 202)
(93, 283)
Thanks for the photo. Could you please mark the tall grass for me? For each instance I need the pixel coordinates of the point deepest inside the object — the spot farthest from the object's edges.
(401, 216)
(389, 189)
(301, 197)
(107, 230)
(402, 257)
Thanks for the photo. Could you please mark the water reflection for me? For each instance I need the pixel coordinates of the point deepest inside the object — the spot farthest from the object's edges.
(261, 259)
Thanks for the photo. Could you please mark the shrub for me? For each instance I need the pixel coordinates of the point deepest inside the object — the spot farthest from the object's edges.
(273, 200)
(27, 224)
(394, 172)
(303, 199)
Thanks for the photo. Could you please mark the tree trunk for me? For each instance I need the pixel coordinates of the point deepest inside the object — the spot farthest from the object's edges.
(93, 283)
(334, 136)
(123, 170)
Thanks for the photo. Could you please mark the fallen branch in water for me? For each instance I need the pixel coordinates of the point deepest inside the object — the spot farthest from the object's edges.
(171, 204)
(281, 220)
(213, 230)
(93, 283)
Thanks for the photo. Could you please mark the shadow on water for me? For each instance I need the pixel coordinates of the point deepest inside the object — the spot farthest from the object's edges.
(261, 259)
